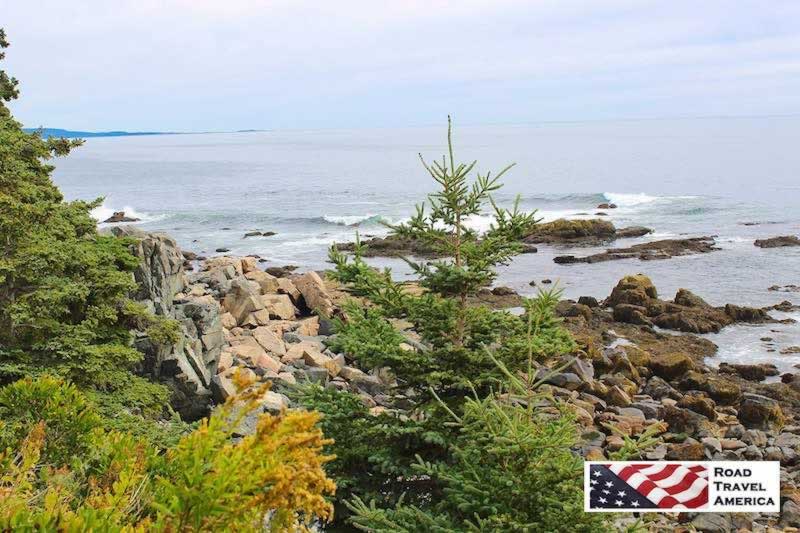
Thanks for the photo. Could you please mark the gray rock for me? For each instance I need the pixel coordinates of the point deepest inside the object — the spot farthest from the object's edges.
(712, 522)
(657, 388)
(712, 444)
(790, 514)
(650, 408)
(565, 380)
(788, 440)
(367, 383)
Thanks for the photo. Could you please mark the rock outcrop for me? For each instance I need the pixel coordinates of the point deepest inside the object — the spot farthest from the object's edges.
(778, 242)
(648, 251)
(581, 232)
(119, 216)
(188, 365)
(635, 301)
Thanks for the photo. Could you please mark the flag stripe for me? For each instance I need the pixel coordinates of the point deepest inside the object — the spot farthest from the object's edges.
(666, 485)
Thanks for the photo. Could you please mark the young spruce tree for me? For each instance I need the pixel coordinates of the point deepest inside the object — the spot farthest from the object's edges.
(454, 331)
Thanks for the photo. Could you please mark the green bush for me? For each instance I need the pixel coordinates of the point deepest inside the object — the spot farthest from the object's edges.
(374, 453)
(510, 469)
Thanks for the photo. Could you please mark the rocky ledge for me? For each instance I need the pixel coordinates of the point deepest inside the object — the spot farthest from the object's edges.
(778, 242)
(581, 232)
(648, 251)
(565, 232)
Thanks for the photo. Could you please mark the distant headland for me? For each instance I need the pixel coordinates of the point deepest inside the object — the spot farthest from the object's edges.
(58, 132)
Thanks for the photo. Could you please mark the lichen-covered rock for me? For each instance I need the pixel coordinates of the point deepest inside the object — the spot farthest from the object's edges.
(720, 389)
(671, 366)
(634, 290)
(760, 412)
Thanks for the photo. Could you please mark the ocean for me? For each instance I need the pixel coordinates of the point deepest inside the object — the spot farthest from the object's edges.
(735, 178)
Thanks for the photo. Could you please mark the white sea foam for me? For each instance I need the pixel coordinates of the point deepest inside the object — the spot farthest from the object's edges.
(635, 199)
(103, 212)
(353, 220)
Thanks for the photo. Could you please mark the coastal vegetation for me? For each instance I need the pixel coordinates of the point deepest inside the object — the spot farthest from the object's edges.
(145, 388)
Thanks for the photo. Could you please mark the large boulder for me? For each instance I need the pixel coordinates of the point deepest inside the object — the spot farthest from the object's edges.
(634, 290)
(314, 293)
(719, 388)
(760, 412)
(671, 366)
(243, 298)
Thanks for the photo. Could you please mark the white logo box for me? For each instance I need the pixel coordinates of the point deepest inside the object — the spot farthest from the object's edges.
(733, 486)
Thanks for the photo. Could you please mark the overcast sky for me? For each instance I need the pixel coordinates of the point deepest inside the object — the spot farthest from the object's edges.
(198, 65)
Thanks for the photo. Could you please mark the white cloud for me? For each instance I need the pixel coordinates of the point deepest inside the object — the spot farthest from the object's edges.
(203, 64)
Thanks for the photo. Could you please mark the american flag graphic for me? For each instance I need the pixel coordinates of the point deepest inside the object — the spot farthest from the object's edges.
(647, 486)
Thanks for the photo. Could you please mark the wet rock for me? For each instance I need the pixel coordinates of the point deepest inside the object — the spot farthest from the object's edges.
(564, 231)
(784, 288)
(757, 372)
(605, 205)
(649, 251)
(699, 404)
(589, 301)
(746, 314)
(222, 250)
(760, 412)
(631, 314)
(720, 389)
(119, 216)
(778, 242)
(634, 290)
(392, 246)
(281, 272)
(633, 231)
(671, 366)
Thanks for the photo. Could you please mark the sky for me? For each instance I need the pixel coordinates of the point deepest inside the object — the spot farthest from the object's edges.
(212, 65)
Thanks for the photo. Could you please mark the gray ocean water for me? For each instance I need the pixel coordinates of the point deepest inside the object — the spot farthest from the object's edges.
(312, 187)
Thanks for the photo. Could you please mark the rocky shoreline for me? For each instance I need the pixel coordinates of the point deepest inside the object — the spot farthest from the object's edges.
(640, 363)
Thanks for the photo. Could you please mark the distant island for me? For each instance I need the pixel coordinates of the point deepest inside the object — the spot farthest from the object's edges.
(57, 132)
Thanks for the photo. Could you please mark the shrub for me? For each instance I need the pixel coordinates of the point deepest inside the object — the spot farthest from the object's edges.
(510, 470)
(374, 453)
(115, 481)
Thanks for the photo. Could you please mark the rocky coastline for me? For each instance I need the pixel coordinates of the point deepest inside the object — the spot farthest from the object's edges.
(639, 362)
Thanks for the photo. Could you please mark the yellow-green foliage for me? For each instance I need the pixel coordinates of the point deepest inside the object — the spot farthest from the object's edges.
(206, 482)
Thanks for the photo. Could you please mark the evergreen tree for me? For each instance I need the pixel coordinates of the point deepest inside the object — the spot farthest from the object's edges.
(453, 330)
(64, 307)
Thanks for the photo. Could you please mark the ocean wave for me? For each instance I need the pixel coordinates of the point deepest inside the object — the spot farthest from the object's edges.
(103, 212)
(355, 220)
(636, 199)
